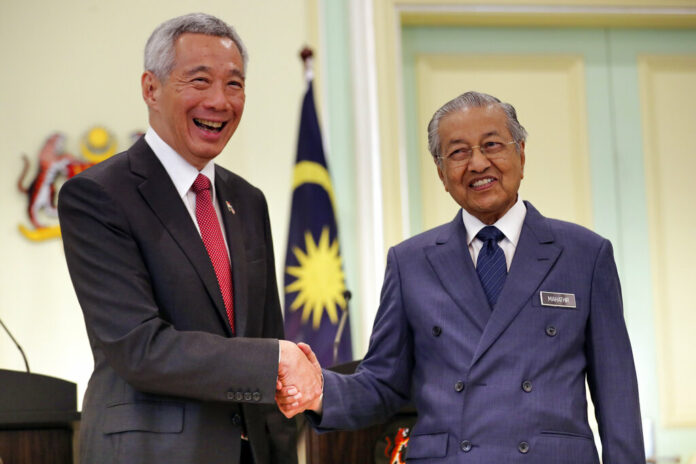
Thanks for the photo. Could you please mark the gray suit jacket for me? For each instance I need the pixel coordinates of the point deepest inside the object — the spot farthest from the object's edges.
(170, 382)
(505, 385)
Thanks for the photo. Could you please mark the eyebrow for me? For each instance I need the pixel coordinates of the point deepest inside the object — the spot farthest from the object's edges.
(487, 134)
(196, 70)
(204, 68)
(238, 73)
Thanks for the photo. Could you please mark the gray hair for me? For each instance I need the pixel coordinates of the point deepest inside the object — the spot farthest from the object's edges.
(476, 100)
(159, 50)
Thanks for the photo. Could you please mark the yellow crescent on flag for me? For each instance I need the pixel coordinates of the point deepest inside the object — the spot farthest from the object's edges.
(309, 172)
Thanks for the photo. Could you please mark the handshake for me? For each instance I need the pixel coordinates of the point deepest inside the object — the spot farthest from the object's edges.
(300, 382)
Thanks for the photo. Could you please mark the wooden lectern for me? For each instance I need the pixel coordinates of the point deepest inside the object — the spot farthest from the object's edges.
(36, 416)
(364, 446)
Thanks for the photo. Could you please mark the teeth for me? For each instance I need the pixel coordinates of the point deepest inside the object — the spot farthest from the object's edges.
(211, 124)
(482, 182)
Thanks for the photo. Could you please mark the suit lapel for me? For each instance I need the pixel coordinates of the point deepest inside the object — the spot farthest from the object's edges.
(534, 257)
(158, 191)
(451, 261)
(235, 242)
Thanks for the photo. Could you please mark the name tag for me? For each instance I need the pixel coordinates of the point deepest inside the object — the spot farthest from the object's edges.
(561, 300)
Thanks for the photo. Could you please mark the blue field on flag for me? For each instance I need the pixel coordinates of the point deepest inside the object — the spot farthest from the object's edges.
(315, 287)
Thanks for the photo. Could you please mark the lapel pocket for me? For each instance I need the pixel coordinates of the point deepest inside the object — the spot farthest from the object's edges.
(433, 445)
(156, 417)
(564, 448)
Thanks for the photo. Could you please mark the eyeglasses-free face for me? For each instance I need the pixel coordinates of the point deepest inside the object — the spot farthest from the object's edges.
(198, 107)
(480, 169)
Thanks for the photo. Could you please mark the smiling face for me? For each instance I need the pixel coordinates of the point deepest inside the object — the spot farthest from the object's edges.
(198, 108)
(486, 188)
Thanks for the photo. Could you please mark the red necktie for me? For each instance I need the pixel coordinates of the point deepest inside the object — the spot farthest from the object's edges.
(213, 241)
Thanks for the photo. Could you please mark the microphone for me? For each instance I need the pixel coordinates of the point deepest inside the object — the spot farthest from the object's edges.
(341, 325)
(26, 363)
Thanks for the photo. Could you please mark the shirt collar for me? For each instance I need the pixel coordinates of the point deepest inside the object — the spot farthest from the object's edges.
(180, 171)
(510, 224)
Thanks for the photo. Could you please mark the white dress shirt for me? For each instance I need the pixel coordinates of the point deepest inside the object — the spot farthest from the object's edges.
(510, 225)
(183, 175)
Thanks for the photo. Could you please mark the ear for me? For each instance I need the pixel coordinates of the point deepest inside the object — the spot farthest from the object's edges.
(522, 158)
(151, 87)
(441, 175)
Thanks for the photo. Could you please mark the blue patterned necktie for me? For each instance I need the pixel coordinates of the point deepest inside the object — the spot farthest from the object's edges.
(491, 266)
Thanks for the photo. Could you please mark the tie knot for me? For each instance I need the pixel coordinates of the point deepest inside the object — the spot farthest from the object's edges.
(489, 233)
(200, 184)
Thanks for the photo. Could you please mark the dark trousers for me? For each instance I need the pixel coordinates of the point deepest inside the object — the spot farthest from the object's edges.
(245, 456)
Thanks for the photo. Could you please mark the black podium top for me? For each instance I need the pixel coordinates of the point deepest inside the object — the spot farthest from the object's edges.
(36, 400)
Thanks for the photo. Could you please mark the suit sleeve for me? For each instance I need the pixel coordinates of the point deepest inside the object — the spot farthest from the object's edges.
(122, 316)
(611, 373)
(282, 432)
(381, 384)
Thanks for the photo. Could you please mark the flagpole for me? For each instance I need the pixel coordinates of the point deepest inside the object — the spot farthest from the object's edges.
(307, 56)
(341, 325)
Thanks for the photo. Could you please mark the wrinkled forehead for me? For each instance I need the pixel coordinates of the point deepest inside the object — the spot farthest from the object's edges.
(474, 122)
(191, 47)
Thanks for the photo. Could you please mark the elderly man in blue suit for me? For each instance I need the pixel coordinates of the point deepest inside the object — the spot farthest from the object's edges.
(492, 323)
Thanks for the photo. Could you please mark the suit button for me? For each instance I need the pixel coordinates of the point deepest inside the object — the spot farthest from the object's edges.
(465, 445)
(238, 396)
(459, 386)
(236, 419)
(436, 331)
(247, 396)
(523, 447)
(527, 386)
(256, 396)
(551, 331)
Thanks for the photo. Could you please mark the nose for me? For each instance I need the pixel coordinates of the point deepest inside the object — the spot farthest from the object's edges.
(478, 162)
(217, 98)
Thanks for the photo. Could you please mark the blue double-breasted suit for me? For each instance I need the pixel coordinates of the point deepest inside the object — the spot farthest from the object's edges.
(503, 384)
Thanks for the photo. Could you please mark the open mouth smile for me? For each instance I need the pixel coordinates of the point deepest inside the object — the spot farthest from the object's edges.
(207, 125)
(481, 184)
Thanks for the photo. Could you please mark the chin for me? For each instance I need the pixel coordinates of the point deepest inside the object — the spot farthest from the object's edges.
(209, 150)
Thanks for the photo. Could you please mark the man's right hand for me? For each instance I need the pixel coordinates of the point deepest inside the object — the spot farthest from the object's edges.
(299, 379)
